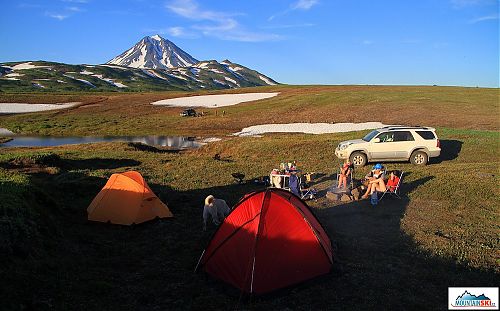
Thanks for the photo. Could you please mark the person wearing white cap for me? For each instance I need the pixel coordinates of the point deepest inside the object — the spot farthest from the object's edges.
(217, 208)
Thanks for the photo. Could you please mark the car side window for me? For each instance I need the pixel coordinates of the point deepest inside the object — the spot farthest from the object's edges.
(403, 136)
(386, 137)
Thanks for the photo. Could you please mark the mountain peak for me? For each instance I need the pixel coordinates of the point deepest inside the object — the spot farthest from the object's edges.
(154, 52)
(157, 37)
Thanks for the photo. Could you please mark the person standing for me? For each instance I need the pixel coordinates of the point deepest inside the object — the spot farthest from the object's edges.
(215, 208)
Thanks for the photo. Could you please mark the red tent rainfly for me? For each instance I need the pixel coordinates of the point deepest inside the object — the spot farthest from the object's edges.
(270, 240)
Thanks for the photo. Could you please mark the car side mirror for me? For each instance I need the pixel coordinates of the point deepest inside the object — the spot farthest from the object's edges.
(376, 140)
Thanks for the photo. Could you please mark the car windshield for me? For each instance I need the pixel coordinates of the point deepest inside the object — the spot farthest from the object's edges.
(370, 135)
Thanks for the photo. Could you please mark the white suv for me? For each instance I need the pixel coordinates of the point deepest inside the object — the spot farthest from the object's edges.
(392, 143)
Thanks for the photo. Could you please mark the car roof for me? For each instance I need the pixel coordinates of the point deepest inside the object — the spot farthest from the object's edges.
(404, 127)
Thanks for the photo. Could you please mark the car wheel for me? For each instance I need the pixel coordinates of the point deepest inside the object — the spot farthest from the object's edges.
(358, 159)
(419, 158)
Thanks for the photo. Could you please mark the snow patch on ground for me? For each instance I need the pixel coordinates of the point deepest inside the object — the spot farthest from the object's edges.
(22, 108)
(37, 85)
(213, 101)
(86, 72)
(216, 70)
(6, 132)
(27, 65)
(211, 140)
(12, 79)
(308, 128)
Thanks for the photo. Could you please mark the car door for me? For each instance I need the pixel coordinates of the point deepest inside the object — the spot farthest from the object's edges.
(381, 147)
(404, 143)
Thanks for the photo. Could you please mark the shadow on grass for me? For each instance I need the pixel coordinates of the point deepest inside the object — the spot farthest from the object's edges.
(148, 148)
(97, 163)
(450, 150)
(114, 267)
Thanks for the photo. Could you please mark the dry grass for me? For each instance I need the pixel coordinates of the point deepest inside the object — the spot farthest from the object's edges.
(132, 114)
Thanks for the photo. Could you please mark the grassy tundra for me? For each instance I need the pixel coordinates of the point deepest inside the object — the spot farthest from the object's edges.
(401, 255)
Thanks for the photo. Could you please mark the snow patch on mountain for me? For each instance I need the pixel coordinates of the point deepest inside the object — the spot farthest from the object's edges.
(81, 80)
(155, 53)
(110, 81)
(231, 80)
(266, 80)
(27, 65)
(14, 74)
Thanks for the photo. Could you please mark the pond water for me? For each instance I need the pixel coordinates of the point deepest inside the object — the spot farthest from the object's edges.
(177, 142)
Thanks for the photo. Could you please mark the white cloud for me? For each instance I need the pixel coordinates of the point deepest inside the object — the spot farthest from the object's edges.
(304, 4)
(57, 16)
(285, 26)
(221, 25)
(483, 18)
(180, 32)
(367, 42)
(75, 9)
(298, 5)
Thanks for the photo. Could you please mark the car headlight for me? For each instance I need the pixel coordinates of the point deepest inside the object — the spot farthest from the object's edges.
(343, 147)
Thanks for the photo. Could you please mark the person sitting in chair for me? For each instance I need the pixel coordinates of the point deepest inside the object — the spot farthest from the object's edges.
(375, 181)
(345, 171)
(393, 181)
(217, 208)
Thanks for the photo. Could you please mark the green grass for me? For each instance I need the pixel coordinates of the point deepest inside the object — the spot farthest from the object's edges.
(443, 233)
(401, 255)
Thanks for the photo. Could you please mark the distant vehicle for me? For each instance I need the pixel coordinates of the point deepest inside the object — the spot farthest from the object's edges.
(188, 113)
(392, 143)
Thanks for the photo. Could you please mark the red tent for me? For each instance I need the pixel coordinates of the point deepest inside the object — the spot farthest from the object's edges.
(270, 240)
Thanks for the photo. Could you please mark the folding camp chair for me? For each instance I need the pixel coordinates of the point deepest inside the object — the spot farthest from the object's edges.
(396, 191)
(307, 192)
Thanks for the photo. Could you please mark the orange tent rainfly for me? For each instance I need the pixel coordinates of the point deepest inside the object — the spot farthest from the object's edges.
(126, 199)
(270, 240)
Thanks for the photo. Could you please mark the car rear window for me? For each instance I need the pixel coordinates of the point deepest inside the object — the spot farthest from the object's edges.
(427, 135)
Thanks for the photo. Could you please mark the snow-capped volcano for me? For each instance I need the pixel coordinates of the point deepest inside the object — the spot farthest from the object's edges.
(155, 53)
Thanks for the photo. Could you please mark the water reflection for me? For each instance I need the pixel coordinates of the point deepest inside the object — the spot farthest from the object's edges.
(177, 142)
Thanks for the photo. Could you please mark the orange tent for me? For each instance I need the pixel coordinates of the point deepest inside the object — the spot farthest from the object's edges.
(126, 199)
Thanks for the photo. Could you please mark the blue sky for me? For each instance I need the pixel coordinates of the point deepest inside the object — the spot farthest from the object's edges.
(444, 42)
